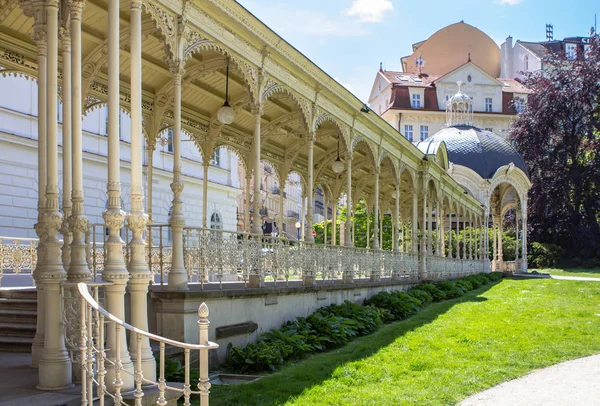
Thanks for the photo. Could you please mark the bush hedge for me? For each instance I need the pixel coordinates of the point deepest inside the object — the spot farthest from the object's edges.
(335, 325)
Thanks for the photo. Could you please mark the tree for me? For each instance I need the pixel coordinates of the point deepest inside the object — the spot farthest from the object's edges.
(558, 135)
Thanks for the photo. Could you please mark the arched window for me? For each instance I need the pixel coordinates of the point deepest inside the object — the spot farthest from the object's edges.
(215, 221)
(216, 224)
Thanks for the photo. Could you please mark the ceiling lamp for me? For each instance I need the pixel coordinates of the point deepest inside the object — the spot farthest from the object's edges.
(226, 114)
(338, 166)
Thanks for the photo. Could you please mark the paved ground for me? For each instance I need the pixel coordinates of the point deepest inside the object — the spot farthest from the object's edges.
(573, 383)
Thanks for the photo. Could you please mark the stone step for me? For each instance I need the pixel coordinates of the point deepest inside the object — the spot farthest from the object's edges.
(18, 293)
(16, 344)
(17, 330)
(18, 316)
(18, 304)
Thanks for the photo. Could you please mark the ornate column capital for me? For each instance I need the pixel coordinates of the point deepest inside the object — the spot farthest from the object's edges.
(257, 109)
(177, 68)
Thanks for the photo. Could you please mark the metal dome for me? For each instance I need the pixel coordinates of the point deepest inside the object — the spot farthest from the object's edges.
(480, 150)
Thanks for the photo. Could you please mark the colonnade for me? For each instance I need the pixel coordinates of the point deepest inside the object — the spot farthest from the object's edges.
(59, 263)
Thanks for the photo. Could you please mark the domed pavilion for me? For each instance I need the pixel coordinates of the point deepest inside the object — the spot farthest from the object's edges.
(489, 168)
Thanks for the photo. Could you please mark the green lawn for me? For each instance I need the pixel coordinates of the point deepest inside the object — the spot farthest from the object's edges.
(592, 273)
(445, 353)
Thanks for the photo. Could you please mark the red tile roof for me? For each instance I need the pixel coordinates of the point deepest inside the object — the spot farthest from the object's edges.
(513, 86)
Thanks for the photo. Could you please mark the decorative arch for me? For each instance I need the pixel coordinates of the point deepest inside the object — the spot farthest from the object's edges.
(392, 165)
(234, 151)
(275, 88)
(248, 73)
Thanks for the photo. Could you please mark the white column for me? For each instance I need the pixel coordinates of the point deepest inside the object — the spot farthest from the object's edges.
(396, 217)
(368, 227)
(415, 220)
(247, 204)
(348, 241)
(303, 216)
(334, 204)
(66, 145)
(517, 237)
(257, 112)
(205, 167)
(79, 225)
(310, 188)
(54, 365)
(137, 219)
(115, 270)
(178, 278)
(325, 203)
(430, 240)
(524, 241)
(39, 37)
(450, 255)
(494, 246)
(150, 179)
(423, 259)
(376, 212)
(500, 233)
(281, 206)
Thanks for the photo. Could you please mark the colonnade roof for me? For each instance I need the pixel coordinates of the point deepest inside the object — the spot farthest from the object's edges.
(297, 99)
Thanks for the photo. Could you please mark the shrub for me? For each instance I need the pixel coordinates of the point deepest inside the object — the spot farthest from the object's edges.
(542, 255)
(423, 296)
(436, 293)
(335, 325)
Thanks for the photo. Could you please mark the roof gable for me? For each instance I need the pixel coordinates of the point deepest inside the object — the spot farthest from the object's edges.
(467, 69)
(380, 83)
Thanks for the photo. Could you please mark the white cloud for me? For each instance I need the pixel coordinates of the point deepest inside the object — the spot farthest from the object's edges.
(287, 21)
(372, 11)
(510, 2)
(346, 85)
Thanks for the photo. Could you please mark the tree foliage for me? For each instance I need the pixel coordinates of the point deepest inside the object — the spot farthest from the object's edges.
(558, 135)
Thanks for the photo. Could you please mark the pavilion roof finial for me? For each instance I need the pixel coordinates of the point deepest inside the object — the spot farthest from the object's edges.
(459, 108)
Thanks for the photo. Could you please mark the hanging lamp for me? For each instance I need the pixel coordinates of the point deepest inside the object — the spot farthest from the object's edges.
(338, 166)
(226, 114)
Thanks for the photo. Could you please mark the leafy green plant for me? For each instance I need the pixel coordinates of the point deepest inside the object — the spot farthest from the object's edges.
(543, 255)
(336, 325)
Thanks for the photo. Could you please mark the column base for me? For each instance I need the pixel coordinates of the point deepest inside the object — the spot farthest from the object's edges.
(308, 280)
(177, 281)
(254, 281)
(54, 371)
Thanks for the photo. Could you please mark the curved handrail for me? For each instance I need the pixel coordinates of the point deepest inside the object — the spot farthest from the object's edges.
(83, 290)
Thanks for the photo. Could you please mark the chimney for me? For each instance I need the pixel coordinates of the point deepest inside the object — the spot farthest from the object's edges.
(506, 57)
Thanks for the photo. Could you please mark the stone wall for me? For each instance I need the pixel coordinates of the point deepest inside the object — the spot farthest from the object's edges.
(176, 313)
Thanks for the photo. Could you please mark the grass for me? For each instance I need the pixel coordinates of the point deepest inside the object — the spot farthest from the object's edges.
(443, 354)
(585, 272)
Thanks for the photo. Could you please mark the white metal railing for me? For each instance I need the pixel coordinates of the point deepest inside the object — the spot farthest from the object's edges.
(93, 359)
(221, 256)
(18, 257)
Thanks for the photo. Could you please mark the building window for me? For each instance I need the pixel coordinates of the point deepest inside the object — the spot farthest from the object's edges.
(215, 159)
(571, 50)
(488, 104)
(526, 63)
(408, 132)
(519, 105)
(170, 140)
(416, 101)
(424, 132)
(488, 129)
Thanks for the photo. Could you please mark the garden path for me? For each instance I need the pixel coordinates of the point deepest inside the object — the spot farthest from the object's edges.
(573, 383)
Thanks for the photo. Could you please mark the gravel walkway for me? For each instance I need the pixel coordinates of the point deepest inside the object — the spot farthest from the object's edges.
(572, 383)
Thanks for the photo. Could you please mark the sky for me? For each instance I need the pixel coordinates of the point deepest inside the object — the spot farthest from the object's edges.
(349, 38)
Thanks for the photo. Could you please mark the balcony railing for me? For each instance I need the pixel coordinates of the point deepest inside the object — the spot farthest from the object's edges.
(222, 258)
